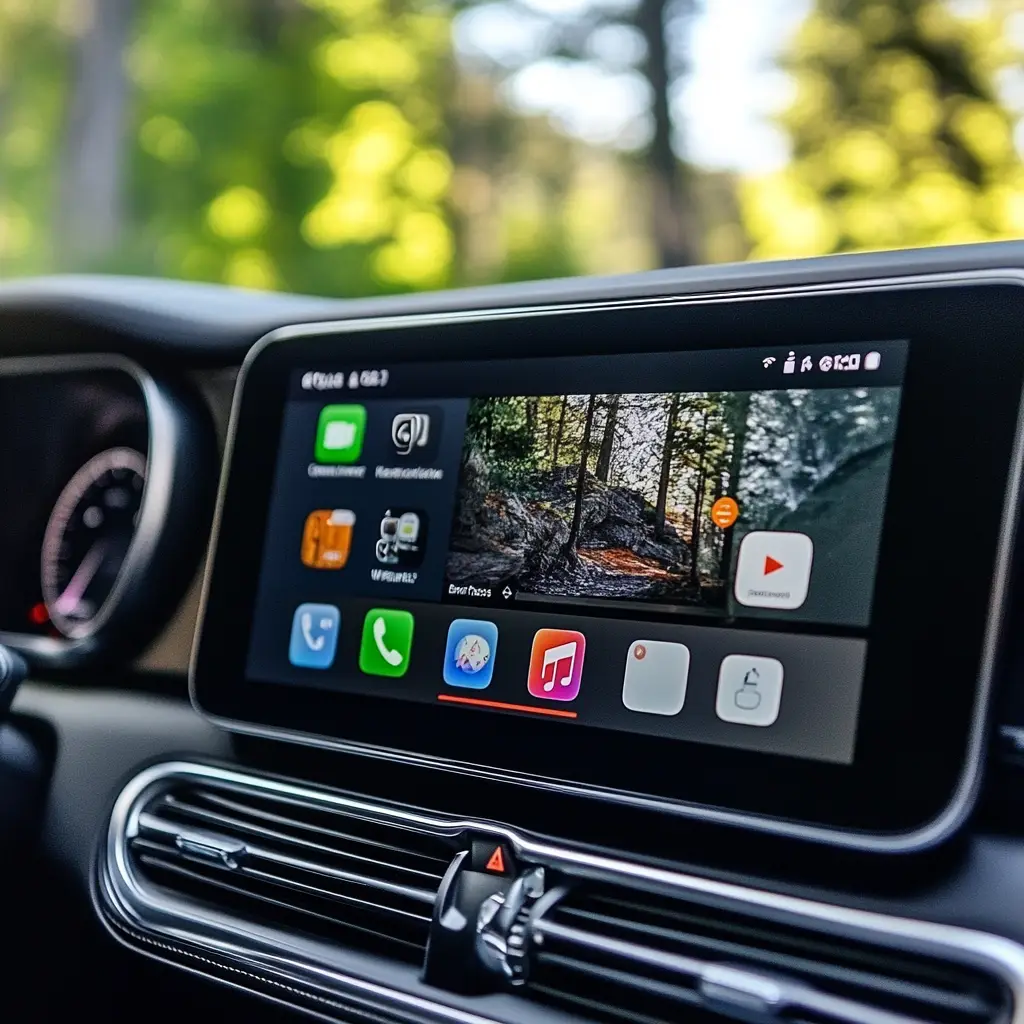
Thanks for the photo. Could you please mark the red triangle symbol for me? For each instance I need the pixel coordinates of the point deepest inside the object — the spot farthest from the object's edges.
(497, 862)
(771, 565)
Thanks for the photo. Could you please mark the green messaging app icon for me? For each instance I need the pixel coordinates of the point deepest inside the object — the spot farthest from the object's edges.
(387, 641)
(339, 433)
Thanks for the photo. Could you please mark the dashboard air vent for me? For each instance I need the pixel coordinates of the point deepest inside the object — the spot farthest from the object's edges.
(285, 863)
(614, 955)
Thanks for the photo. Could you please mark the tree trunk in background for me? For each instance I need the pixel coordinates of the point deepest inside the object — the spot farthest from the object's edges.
(666, 468)
(739, 409)
(673, 224)
(604, 456)
(89, 209)
(581, 479)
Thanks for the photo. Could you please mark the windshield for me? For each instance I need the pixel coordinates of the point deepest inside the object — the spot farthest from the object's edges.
(354, 147)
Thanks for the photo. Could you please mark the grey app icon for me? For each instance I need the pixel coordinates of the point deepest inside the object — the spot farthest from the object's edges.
(409, 431)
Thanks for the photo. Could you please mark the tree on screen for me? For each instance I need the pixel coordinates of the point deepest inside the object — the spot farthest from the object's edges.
(665, 475)
(563, 406)
(737, 409)
(604, 458)
(581, 479)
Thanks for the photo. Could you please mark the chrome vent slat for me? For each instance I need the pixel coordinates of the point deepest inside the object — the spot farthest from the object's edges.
(412, 850)
(144, 847)
(300, 867)
(615, 948)
(808, 966)
(329, 921)
(679, 994)
(595, 1009)
(151, 826)
(242, 827)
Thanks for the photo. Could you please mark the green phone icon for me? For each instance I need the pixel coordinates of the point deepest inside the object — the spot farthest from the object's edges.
(387, 641)
(339, 433)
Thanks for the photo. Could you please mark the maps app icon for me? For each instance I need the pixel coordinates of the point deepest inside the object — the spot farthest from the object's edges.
(416, 434)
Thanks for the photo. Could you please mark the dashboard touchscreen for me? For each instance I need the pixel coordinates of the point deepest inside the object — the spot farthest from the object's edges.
(732, 555)
(675, 544)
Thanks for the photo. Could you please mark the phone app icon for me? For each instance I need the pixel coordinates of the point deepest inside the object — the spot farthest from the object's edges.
(386, 643)
(469, 654)
(339, 433)
(403, 538)
(327, 538)
(314, 637)
(556, 664)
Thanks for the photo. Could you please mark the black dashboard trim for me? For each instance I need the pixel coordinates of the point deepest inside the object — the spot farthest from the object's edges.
(940, 827)
(215, 325)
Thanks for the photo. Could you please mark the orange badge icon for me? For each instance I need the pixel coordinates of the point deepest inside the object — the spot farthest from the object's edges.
(327, 538)
(725, 512)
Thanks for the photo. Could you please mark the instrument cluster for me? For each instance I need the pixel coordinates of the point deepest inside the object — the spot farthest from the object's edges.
(109, 473)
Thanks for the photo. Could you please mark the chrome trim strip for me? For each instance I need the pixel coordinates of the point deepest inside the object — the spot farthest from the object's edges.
(929, 834)
(149, 910)
(163, 444)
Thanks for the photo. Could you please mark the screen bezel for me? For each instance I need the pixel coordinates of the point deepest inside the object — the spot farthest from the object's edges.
(858, 805)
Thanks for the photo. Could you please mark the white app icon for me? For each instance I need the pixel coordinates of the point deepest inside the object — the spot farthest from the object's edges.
(655, 679)
(410, 430)
(339, 434)
(408, 528)
(774, 570)
(749, 690)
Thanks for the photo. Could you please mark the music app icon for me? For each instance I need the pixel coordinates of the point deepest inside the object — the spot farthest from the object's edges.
(556, 664)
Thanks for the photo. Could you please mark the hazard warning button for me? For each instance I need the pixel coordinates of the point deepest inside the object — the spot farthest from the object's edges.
(494, 858)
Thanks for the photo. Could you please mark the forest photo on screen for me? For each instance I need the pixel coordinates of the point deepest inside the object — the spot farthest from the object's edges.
(610, 496)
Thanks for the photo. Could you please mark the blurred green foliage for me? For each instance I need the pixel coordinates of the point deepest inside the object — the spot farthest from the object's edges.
(294, 145)
(898, 133)
(340, 147)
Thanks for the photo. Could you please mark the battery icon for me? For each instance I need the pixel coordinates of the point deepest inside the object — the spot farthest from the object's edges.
(873, 360)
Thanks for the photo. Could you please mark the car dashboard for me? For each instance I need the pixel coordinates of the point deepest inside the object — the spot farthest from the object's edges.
(638, 648)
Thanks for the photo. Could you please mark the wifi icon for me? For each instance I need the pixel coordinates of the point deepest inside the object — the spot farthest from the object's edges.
(768, 361)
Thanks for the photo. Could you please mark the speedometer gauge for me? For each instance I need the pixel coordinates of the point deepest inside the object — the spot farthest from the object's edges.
(88, 536)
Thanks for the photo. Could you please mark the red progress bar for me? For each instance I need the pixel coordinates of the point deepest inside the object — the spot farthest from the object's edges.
(505, 707)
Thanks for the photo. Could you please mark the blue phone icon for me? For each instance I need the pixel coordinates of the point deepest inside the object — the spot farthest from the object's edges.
(314, 635)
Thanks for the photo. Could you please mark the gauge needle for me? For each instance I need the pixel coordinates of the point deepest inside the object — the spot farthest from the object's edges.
(68, 600)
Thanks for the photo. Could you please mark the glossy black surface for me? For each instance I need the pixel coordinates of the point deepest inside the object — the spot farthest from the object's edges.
(921, 593)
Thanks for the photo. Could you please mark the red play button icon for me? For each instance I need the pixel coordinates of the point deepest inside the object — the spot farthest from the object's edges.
(773, 569)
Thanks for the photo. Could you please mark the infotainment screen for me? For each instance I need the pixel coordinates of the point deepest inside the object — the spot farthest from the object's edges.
(675, 544)
(705, 553)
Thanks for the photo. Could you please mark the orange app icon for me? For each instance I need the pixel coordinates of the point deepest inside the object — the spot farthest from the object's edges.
(327, 538)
